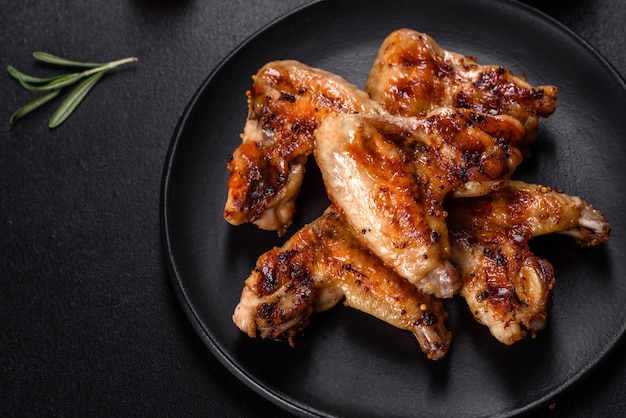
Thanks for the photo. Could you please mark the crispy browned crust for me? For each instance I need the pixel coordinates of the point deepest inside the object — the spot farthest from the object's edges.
(391, 175)
(322, 264)
(412, 74)
(286, 103)
(506, 286)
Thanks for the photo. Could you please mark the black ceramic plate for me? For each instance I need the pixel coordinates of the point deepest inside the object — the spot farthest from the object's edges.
(347, 363)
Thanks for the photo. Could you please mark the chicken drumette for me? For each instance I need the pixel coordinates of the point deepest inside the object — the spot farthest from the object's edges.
(506, 287)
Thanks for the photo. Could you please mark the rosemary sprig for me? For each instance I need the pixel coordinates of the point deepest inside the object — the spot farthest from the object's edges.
(52, 86)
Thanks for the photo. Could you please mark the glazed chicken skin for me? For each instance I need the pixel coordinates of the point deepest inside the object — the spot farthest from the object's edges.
(390, 176)
(412, 74)
(507, 288)
(322, 264)
(286, 103)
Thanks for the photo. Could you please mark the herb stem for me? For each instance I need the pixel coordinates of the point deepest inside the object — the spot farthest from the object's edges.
(108, 66)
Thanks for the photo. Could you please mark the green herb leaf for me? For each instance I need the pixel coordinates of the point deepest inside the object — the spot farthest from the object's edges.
(29, 107)
(73, 100)
(18, 75)
(56, 60)
(56, 83)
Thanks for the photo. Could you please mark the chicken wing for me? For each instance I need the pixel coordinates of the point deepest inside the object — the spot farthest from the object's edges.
(390, 176)
(412, 74)
(285, 104)
(506, 287)
(322, 264)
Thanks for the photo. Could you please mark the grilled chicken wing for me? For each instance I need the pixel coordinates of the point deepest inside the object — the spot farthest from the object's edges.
(390, 176)
(322, 264)
(285, 104)
(412, 74)
(506, 287)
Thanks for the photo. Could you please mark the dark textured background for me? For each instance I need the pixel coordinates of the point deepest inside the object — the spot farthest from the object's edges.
(89, 323)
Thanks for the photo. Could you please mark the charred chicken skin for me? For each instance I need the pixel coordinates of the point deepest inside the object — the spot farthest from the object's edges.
(323, 263)
(412, 74)
(507, 288)
(286, 103)
(390, 176)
